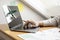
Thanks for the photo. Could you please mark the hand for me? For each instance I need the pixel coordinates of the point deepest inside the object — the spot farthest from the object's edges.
(29, 24)
(40, 24)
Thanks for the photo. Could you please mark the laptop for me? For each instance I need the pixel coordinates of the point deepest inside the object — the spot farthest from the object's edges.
(15, 21)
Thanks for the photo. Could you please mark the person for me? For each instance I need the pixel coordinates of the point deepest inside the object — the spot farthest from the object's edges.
(29, 24)
(53, 22)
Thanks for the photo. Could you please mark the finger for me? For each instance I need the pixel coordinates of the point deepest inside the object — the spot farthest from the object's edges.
(32, 22)
(25, 26)
(33, 26)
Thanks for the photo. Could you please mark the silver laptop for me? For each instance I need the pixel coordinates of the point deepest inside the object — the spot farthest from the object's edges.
(14, 19)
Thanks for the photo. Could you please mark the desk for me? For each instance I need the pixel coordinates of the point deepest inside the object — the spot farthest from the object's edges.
(13, 35)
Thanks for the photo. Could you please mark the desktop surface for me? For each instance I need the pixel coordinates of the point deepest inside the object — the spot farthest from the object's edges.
(13, 34)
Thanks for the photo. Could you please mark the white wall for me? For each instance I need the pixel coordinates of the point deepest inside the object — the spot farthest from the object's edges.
(26, 14)
(52, 6)
(46, 7)
(37, 6)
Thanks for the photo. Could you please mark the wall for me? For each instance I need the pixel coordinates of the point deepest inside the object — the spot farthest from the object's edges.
(26, 14)
(37, 6)
(52, 6)
(46, 7)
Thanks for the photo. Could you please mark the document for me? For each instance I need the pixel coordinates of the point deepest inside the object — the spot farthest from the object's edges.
(50, 34)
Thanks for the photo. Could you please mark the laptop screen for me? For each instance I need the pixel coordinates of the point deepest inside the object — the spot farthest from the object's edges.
(13, 16)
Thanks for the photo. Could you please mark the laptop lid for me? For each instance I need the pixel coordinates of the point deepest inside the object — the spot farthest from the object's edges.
(13, 17)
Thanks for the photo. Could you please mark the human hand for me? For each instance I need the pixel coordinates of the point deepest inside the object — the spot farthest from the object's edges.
(29, 24)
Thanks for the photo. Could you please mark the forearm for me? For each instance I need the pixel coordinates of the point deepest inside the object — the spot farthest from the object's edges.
(49, 22)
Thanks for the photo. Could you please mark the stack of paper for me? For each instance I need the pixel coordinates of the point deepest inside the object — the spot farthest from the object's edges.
(51, 34)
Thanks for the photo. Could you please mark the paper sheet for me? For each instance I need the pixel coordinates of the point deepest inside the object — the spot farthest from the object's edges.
(20, 7)
(51, 34)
